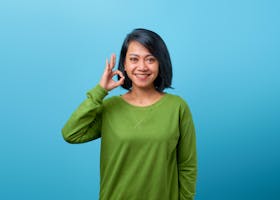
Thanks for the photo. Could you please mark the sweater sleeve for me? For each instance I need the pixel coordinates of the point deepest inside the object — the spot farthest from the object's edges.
(186, 154)
(85, 123)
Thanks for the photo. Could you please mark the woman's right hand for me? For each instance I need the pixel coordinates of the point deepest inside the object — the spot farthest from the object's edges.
(107, 81)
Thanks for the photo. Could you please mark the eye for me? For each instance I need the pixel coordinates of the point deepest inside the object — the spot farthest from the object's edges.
(151, 60)
(133, 59)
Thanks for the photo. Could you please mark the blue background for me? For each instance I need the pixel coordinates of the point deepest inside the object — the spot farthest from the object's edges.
(226, 63)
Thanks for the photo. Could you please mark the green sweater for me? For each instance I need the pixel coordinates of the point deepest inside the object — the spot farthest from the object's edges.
(147, 153)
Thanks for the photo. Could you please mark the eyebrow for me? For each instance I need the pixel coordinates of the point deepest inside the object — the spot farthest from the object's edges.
(132, 54)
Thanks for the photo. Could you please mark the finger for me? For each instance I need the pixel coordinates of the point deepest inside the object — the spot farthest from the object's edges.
(107, 64)
(121, 80)
(107, 67)
(118, 72)
(112, 61)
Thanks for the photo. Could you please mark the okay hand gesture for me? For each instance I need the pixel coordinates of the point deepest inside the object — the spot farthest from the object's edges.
(107, 81)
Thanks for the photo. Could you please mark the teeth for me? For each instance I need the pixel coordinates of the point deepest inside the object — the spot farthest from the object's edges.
(142, 75)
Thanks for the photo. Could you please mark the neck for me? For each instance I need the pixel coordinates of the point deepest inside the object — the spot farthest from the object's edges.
(143, 93)
(145, 96)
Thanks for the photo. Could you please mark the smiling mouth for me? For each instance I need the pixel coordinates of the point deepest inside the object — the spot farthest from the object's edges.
(142, 76)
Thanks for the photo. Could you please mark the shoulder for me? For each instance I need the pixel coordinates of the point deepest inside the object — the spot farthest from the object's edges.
(111, 100)
(178, 103)
(177, 99)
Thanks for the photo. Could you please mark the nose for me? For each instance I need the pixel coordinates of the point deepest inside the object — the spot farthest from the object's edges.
(142, 65)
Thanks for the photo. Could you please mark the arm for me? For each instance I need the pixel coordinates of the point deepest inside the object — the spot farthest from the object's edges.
(84, 124)
(187, 158)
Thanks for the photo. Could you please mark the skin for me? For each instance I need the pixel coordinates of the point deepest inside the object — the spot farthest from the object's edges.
(142, 69)
(107, 81)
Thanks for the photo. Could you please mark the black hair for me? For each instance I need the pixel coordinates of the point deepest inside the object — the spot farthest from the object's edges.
(156, 46)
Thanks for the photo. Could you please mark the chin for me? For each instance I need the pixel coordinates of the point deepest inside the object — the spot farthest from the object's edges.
(143, 86)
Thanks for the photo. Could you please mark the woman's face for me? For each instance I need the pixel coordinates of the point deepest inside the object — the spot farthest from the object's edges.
(141, 66)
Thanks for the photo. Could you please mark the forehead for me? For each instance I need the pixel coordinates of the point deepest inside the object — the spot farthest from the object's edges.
(137, 48)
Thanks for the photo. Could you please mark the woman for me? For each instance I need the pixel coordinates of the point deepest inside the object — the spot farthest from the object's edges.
(148, 148)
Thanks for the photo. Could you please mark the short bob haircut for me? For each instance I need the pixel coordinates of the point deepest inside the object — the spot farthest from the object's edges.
(156, 46)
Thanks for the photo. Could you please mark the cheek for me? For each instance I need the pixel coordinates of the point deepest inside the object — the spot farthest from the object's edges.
(125, 64)
(128, 67)
(156, 69)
